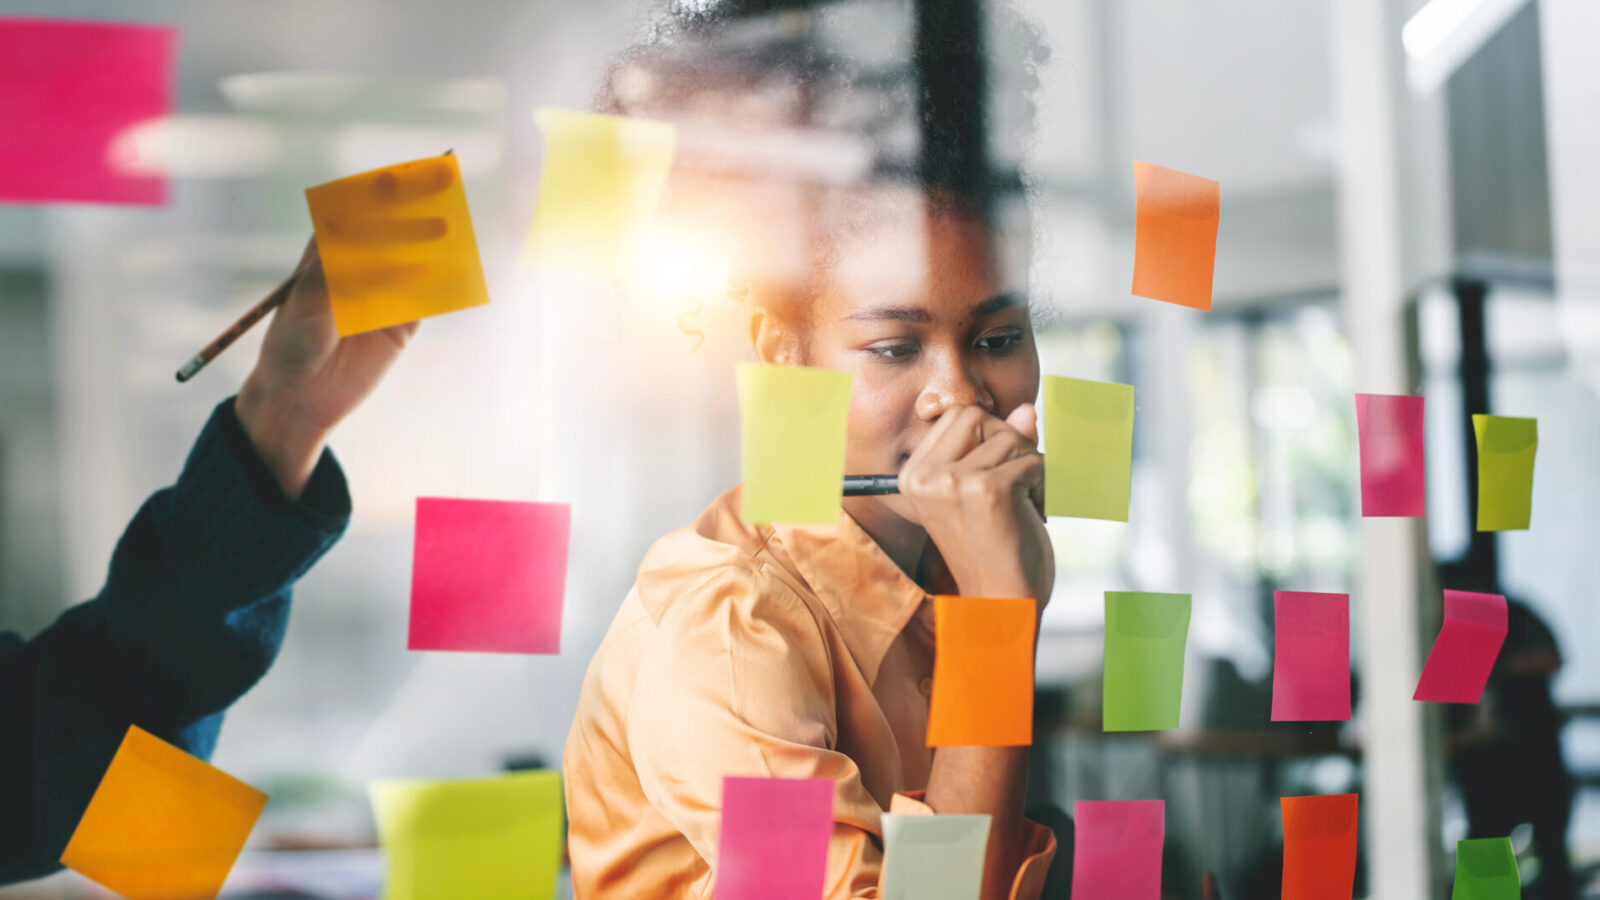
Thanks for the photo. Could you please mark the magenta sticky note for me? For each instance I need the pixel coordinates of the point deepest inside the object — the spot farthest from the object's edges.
(67, 91)
(1116, 851)
(488, 575)
(1311, 663)
(1463, 654)
(775, 834)
(1393, 469)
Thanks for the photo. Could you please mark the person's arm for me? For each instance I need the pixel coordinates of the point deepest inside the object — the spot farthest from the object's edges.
(197, 597)
(977, 483)
(194, 607)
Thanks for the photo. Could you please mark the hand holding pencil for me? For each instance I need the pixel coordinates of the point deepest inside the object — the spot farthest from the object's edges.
(307, 378)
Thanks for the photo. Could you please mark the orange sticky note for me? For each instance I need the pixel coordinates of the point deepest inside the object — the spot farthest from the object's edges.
(397, 244)
(983, 672)
(1175, 247)
(1319, 847)
(162, 824)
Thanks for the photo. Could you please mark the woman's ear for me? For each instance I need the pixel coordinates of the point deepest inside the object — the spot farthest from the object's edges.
(774, 340)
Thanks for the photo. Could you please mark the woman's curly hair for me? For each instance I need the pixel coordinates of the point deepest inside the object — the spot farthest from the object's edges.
(924, 115)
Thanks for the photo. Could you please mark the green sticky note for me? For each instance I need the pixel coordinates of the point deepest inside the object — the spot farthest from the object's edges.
(1088, 459)
(484, 838)
(1486, 869)
(1506, 446)
(794, 426)
(1145, 638)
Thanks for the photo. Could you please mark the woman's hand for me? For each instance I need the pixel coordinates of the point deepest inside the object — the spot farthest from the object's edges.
(308, 379)
(977, 485)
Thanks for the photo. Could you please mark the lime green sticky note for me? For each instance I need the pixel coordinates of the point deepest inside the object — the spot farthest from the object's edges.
(1145, 638)
(794, 426)
(1486, 869)
(1088, 458)
(603, 177)
(483, 838)
(1506, 446)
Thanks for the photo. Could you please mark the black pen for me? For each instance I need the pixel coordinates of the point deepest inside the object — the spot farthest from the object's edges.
(865, 485)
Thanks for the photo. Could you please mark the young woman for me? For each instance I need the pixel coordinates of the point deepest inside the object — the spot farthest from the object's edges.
(803, 651)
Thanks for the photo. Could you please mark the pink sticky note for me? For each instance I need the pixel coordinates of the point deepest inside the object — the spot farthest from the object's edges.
(775, 834)
(1116, 851)
(67, 91)
(488, 575)
(1311, 666)
(1393, 479)
(1464, 652)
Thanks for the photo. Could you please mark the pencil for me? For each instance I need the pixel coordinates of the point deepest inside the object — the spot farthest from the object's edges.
(256, 314)
(225, 339)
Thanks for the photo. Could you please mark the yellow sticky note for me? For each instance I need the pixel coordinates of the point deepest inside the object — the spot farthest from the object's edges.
(1088, 449)
(1506, 447)
(487, 838)
(603, 178)
(162, 824)
(794, 428)
(397, 244)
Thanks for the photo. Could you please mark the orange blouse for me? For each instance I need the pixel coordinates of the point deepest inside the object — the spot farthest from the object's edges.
(785, 650)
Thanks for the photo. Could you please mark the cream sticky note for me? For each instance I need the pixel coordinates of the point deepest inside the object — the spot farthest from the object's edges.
(397, 244)
(1506, 447)
(933, 857)
(1088, 443)
(162, 823)
(794, 420)
(603, 177)
(1175, 235)
(487, 838)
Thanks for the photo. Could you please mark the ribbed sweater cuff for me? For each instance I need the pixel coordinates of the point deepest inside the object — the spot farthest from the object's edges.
(233, 513)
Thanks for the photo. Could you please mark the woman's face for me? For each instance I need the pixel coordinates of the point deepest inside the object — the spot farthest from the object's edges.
(916, 310)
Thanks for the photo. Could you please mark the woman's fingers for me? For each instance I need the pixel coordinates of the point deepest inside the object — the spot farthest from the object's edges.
(998, 447)
(1025, 419)
(1208, 887)
(952, 437)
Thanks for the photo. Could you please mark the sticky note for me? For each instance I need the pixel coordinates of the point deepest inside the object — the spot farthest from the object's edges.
(1088, 462)
(983, 672)
(490, 838)
(774, 843)
(488, 575)
(1175, 239)
(933, 857)
(1319, 847)
(1393, 466)
(162, 823)
(67, 91)
(1117, 849)
(603, 177)
(1506, 447)
(1145, 638)
(1311, 662)
(794, 420)
(1486, 869)
(1463, 654)
(397, 244)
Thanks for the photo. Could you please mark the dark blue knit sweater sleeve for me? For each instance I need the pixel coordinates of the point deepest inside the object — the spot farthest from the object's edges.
(191, 615)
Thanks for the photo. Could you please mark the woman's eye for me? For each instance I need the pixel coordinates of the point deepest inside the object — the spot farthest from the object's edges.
(895, 351)
(1000, 343)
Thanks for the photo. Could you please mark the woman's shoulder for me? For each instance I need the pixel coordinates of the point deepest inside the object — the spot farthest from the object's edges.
(720, 562)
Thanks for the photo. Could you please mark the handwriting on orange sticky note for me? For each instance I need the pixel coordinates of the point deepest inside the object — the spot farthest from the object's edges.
(1175, 245)
(397, 244)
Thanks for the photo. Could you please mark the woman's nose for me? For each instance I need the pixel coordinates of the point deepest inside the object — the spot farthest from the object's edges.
(946, 394)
